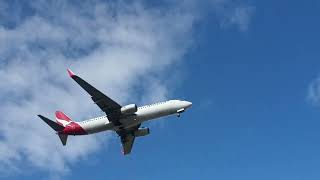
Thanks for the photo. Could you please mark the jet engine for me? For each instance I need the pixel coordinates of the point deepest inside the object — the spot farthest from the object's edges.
(129, 109)
(141, 132)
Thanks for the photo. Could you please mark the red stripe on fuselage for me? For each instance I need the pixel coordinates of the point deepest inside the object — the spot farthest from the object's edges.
(74, 129)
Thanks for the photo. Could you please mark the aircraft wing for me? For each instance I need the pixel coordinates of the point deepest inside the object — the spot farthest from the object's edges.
(127, 138)
(127, 143)
(106, 104)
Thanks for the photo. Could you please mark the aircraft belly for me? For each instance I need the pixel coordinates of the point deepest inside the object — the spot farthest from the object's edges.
(96, 126)
(142, 115)
(154, 113)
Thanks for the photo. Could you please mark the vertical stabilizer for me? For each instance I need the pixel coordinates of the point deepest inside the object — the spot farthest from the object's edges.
(62, 119)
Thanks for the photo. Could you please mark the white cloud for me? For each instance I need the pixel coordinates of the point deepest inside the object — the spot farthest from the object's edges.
(241, 16)
(116, 46)
(234, 14)
(314, 91)
(230, 13)
(124, 45)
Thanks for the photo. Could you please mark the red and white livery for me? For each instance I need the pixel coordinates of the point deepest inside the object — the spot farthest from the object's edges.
(124, 120)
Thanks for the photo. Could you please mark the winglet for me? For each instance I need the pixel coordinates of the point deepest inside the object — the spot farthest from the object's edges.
(71, 74)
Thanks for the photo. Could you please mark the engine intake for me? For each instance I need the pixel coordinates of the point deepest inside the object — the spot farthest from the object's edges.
(129, 109)
(141, 132)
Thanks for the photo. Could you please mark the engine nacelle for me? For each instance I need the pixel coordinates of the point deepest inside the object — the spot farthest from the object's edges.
(141, 132)
(129, 109)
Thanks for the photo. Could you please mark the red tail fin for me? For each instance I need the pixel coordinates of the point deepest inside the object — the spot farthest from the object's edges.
(62, 119)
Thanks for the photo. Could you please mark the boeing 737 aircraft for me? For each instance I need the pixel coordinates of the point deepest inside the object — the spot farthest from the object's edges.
(124, 120)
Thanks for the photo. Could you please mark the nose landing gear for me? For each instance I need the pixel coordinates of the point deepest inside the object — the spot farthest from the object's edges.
(179, 112)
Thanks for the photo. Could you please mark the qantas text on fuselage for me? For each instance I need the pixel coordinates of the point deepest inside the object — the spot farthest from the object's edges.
(124, 120)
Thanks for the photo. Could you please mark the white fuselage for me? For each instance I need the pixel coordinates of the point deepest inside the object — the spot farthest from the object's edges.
(144, 113)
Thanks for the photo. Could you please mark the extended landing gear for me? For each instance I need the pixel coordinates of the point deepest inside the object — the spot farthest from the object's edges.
(179, 112)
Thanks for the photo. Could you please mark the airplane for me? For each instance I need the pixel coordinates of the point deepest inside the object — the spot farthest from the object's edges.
(124, 120)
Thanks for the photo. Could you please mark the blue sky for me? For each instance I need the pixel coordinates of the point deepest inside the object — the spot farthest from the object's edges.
(250, 68)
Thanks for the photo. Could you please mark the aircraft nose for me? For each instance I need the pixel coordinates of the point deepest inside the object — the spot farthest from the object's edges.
(187, 104)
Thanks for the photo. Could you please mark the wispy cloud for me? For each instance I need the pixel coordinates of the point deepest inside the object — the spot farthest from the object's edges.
(314, 92)
(241, 16)
(114, 45)
(229, 13)
(233, 13)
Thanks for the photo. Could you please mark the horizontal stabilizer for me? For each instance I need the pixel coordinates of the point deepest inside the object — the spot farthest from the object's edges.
(52, 124)
(63, 138)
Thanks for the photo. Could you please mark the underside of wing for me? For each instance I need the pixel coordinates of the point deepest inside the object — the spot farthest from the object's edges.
(127, 138)
(127, 144)
(106, 104)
